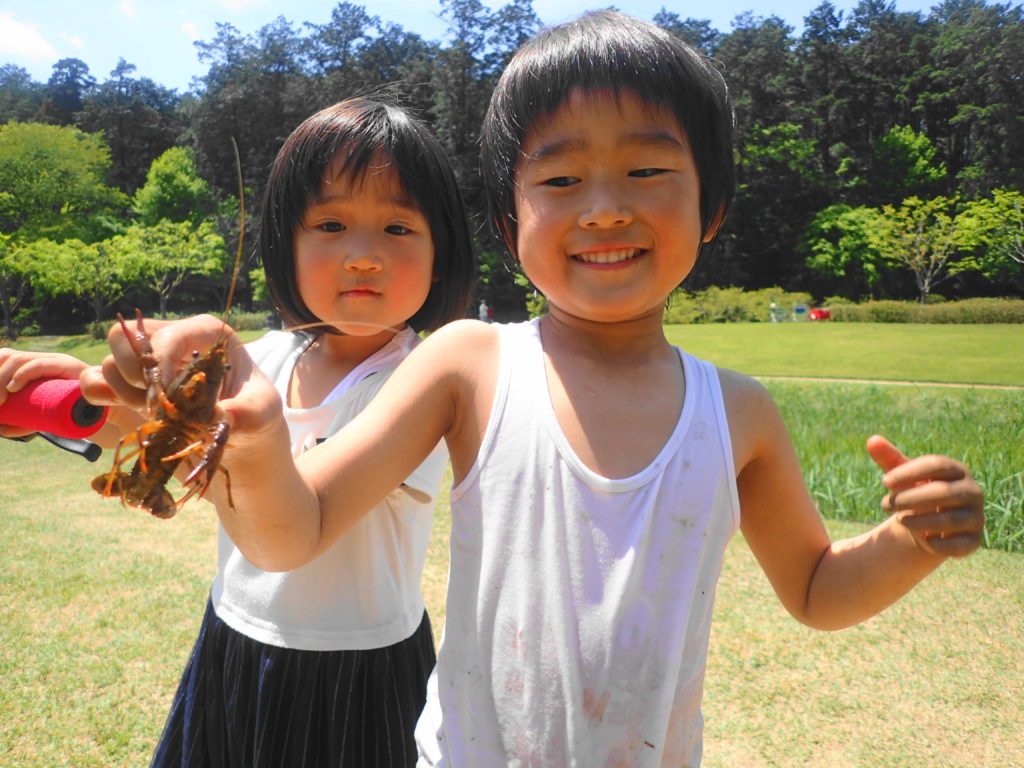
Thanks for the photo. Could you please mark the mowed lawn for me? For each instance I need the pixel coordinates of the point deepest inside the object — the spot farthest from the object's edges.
(99, 604)
(970, 354)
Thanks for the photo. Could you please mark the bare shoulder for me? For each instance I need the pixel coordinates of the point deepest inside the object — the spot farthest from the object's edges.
(754, 419)
(465, 333)
(461, 350)
(465, 355)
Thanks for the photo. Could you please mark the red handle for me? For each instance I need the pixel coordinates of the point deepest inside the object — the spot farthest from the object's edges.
(55, 406)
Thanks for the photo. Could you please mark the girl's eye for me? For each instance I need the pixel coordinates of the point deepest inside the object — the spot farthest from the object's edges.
(397, 229)
(561, 181)
(644, 173)
(330, 226)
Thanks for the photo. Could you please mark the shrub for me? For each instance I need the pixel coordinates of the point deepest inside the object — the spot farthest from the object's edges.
(964, 311)
(254, 321)
(729, 305)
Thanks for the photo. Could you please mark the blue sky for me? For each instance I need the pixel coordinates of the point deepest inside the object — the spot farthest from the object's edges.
(157, 35)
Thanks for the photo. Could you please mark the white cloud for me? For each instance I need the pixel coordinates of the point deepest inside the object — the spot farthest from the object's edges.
(128, 8)
(75, 40)
(19, 39)
(191, 30)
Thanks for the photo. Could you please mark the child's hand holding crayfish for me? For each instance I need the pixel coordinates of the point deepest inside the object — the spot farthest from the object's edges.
(199, 394)
(127, 377)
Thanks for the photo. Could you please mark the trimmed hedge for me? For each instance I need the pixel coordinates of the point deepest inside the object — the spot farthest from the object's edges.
(734, 305)
(730, 305)
(964, 311)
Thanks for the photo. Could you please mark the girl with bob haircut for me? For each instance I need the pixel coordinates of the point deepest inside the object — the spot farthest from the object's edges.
(365, 128)
(598, 470)
(364, 241)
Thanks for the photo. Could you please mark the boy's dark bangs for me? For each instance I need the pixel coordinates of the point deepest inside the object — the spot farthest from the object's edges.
(606, 50)
(610, 56)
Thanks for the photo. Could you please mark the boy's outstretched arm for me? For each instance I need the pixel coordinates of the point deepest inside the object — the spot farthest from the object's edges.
(286, 511)
(258, 457)
(935, 506)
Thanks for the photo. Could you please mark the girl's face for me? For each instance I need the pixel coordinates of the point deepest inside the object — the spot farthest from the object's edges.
(608, 206)
(364, 256)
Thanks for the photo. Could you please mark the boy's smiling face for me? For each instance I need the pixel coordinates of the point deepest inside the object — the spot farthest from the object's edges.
(608, 207)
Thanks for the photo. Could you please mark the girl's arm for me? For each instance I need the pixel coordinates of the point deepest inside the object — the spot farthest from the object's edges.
(18, 368)
(286, 511)
(936, 512)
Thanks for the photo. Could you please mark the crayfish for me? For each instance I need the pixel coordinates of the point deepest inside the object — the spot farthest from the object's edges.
(180, 426)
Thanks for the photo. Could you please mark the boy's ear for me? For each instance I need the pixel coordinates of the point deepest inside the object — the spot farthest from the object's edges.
(716, 224)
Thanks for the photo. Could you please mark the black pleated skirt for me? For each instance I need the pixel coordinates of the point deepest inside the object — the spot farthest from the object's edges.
(244, 704)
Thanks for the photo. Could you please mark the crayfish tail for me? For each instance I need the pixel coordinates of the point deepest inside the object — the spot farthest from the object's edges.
(108, 484)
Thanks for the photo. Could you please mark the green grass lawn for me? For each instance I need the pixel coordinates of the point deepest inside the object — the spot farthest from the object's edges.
(973, 354)
(83, 347)
(99, 604)
(99, 607)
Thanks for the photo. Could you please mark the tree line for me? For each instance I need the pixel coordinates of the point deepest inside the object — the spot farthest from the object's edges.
(879, 153)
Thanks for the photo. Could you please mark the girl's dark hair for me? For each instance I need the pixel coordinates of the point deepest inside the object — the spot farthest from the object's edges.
(607, 49)
(366, 128)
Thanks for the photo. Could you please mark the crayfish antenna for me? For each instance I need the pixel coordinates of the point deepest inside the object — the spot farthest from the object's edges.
(241, 232)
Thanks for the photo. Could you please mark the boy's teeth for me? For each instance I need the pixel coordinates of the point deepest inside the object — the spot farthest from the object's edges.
(608, 257)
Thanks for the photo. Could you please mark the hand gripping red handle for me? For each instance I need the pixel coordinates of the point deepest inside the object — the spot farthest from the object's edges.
(55, 406)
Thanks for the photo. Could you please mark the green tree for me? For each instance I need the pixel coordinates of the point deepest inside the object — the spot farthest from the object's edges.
(888, 52)
(697, 32)
(992, 229)
(139, 120)
(91, 271)
(765, 225)
(335, 46)
(760, 66)
(52, 182)
(460, 86)
(922, 236)
(15, 281)
(396, 56)
(843, 241)
(174, 191)
(822, 75)
(903, 163)
(66, 88)
(906, 160)
(256, 92)
(20, 97)
(162, 256)
(972, 103)
(507, 29)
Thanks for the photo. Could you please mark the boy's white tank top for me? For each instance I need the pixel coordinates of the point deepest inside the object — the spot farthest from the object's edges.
(579, 607)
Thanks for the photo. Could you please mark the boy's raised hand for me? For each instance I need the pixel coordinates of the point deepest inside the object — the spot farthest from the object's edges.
(935, 497)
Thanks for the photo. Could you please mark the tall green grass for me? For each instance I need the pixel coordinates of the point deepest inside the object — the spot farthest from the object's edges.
(983, 428)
